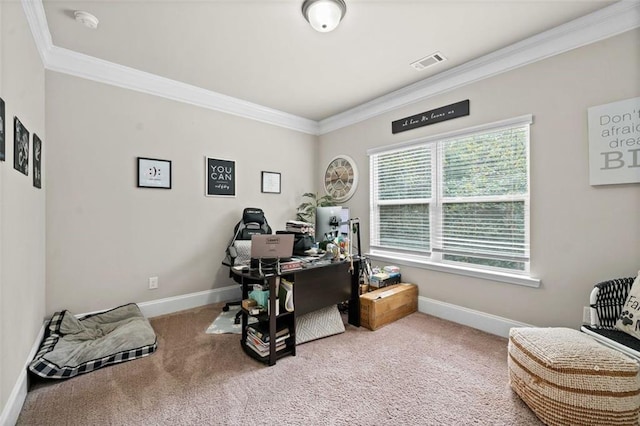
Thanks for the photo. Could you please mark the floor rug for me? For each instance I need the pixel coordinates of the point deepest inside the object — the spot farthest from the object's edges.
(224, 323)
(321, 323)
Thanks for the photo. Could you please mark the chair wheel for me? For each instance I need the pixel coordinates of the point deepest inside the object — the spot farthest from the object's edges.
(225, 308)
(236, 321)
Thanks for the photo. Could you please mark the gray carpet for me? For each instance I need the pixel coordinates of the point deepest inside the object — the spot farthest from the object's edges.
(419, 370)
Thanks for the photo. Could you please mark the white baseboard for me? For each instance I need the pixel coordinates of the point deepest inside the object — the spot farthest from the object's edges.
(154, 308)
(170, 305)
(482, 321)
(12, 408)
(486, 322)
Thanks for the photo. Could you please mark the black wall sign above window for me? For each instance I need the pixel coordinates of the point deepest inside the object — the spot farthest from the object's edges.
(459, 109)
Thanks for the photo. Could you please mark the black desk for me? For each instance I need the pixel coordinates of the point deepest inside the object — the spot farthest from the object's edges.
(315, 287)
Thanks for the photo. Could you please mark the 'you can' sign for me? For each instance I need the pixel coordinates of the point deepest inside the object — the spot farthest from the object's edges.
(221, 177)
(614, 142)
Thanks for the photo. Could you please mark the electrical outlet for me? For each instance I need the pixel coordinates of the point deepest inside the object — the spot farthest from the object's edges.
(153, 283)
(586, 315)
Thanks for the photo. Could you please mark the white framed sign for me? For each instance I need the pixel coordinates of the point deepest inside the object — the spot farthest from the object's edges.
(154, 173)
(614, 142)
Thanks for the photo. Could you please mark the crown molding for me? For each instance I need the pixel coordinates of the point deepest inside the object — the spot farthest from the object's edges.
(77, 64)
(608, 22)
(91, 68)
(613, 20)
(37, 20)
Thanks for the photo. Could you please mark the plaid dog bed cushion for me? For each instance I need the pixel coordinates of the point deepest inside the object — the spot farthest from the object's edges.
(75, 346)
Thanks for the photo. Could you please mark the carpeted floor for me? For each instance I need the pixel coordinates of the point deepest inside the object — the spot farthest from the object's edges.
(419, 370)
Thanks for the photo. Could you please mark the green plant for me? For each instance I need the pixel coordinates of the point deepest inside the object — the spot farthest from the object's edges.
(311, 201)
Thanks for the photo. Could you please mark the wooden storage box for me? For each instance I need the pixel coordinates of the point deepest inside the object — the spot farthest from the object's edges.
(383, 306)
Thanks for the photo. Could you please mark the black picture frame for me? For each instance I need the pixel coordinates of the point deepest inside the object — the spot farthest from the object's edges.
(37, 161)
(220, 177)
(271, 182)
(154, 173)
(20, 147)
(3, 132)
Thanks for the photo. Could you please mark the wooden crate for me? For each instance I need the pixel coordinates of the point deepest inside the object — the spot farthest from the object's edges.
(383, 306)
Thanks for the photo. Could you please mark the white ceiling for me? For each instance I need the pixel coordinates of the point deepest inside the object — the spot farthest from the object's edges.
(264, 52)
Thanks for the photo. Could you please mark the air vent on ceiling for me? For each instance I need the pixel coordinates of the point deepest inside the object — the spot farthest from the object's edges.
(425, 62)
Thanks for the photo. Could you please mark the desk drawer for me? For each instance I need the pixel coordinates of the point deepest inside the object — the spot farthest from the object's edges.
(388, 304)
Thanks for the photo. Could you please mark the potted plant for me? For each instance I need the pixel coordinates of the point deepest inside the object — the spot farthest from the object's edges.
(311, 201)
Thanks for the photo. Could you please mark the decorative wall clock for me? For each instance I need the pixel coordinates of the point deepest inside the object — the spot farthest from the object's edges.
(341, 178)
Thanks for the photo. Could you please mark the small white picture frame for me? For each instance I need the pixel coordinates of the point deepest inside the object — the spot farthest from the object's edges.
(271, 182)
(154, 173)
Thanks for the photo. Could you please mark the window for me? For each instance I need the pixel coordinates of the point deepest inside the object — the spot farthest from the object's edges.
(456, 199)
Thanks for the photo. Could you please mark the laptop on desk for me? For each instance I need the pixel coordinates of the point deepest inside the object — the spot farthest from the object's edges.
(268, 246)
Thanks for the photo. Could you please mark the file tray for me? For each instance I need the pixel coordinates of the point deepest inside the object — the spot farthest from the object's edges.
(386, 305)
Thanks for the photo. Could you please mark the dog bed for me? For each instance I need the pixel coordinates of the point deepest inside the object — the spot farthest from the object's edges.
(73, 346)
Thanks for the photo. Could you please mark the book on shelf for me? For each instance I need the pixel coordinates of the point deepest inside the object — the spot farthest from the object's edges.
(285, 294)
(260, 344)
(261, 331)
(264, 352)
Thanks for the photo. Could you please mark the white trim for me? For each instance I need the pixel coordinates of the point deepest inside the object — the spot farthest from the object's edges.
(416, 262)
(608, 22)
(80, 65)
(476, 319)
(12, 408)
(482, 321)
(37, 19)
(173, 304)
(522, 120)
(73, 63)
(604, 23)
(169, 305)
(149, 309)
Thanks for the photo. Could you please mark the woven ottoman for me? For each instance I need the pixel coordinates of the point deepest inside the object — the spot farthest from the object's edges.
(567, 378)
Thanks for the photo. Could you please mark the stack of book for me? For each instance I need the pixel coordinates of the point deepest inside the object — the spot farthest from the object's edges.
(258, 338)
(299, 227)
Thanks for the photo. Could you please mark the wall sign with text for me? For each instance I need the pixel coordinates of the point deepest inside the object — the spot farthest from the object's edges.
(221, 177)
(614, 142)
(459, 109)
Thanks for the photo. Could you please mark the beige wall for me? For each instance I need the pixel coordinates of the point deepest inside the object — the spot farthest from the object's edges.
(106, 237)
(22, 206)
(580, 234)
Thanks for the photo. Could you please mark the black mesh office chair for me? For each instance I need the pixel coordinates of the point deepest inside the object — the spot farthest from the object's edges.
(253, 222)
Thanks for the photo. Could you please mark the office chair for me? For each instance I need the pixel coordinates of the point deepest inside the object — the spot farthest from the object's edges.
(253, 222)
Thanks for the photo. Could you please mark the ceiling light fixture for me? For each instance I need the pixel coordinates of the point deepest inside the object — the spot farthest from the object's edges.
(324, 15)
(86, 19)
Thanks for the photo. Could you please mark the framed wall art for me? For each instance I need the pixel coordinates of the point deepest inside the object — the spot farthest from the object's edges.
(220, 177)
(154, 173)
(614, 137)
(37, 161)
(20, 147)
(2, 132)
(271, 182)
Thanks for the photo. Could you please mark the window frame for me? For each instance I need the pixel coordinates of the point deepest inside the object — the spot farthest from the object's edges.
(434, 259)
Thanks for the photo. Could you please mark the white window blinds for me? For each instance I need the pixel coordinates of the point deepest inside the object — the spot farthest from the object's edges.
(462, 198)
